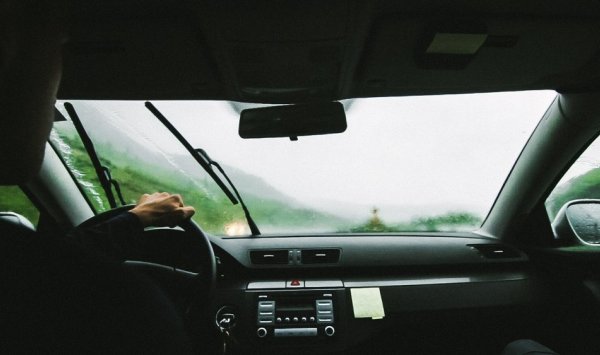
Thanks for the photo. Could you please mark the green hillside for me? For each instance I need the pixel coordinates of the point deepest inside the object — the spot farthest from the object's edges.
(583, 186)
(12, 199)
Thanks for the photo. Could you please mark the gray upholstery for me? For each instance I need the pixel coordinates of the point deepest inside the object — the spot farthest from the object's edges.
(527, 347)
(16, 223)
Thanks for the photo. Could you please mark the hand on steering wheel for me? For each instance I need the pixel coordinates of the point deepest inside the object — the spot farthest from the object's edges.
(161, 209)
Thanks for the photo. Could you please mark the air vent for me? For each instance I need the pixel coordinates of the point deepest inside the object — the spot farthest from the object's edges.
(320, 256)
(495, 251)
(269, 257)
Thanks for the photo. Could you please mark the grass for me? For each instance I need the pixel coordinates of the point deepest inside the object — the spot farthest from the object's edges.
(12, 199)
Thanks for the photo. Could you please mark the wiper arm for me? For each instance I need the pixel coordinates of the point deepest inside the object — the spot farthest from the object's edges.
(253, 227)
(102, 172)
(203, 163)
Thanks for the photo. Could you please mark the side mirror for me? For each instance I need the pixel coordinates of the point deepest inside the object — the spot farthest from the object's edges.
(578, 219)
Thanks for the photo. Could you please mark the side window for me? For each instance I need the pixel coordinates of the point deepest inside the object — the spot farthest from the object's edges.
(582, 181)
(13, 199)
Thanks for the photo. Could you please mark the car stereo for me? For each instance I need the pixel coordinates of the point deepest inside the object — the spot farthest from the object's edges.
(295, 314)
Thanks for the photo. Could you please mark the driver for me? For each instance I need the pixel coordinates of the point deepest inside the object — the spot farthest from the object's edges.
(57, 296)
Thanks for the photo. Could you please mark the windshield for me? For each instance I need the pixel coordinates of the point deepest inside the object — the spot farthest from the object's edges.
(432, 163)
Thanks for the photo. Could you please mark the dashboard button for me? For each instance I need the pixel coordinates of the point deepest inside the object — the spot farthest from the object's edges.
(261, 332)
(322, 320)
(329, 330)
(294, 283)
(267, 305)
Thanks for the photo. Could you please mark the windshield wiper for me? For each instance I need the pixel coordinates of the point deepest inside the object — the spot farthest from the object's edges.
(251, 224)
(102, 172)
(206, 163)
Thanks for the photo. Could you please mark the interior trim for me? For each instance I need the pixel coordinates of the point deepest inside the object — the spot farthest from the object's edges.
(435, 281)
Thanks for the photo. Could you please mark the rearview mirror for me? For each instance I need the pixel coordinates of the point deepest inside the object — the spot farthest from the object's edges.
(293, 120)
(579, 219)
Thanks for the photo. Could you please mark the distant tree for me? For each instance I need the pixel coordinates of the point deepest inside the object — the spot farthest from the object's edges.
(373, 225)
(446, 222)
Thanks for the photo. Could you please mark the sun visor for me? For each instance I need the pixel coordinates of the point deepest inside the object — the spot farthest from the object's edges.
(450, 45)
(420, 56)
(456, 43)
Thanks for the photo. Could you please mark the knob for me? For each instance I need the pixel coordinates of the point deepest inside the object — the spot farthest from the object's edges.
(329, 330)
(261, 332)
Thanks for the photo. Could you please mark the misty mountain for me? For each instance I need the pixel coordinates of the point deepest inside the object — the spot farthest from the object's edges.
(247, 184)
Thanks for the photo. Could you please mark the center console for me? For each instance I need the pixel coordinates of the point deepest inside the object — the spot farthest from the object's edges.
(296, 311)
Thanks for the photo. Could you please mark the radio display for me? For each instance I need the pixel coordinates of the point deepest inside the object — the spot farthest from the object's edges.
(295, 310)
(296, 305)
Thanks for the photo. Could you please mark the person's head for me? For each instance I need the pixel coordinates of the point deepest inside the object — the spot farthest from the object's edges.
(31, 38)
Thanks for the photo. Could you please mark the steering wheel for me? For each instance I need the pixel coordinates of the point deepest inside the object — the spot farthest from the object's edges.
(203, 283)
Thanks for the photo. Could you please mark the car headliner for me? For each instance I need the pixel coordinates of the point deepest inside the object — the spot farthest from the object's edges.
(294, 51)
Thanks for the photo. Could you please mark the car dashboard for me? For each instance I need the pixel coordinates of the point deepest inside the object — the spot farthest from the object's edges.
(414, 293)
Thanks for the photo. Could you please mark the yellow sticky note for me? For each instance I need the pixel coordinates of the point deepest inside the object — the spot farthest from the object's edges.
(367, 303)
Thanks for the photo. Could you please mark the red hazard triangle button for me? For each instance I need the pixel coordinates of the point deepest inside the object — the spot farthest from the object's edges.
(294, 283)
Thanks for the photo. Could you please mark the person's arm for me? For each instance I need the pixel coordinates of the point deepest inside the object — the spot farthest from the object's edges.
(121, 237)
